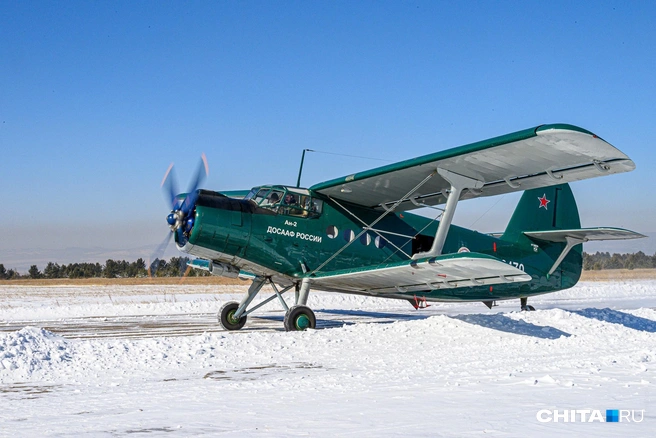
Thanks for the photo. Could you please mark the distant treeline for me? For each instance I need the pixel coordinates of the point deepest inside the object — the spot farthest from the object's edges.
(604, 260)
(175, 267)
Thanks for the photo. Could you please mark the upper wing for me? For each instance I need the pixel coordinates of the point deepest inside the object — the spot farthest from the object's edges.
(536, 157)
(445, 272)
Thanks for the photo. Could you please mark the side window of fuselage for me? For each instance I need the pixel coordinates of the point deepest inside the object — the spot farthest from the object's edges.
(316, 207)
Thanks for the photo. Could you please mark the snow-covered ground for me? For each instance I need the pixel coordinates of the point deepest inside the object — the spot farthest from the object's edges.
(115, 361)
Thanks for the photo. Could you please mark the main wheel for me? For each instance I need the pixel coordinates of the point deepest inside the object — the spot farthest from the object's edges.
(300, 318)
(227, 316)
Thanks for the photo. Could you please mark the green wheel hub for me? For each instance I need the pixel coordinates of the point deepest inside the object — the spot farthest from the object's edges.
(227, 316)
(302, 322)
(300, 318)
(231, 317)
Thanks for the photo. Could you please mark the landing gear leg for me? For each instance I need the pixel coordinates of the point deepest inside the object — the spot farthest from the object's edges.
(304, 292)
(300, 317)
(524, 304)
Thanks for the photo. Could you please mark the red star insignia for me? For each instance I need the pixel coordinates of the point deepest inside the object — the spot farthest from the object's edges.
(543, 201)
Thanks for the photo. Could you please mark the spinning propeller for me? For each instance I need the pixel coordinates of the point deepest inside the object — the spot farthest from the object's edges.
(181, 218)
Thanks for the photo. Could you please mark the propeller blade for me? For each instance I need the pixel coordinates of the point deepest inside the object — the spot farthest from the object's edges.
(170, 187)
(153, 263)
(199, 177)
(202, 171)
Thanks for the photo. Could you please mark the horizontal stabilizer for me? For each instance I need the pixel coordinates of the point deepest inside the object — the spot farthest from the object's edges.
(584, 234)
(444, 272)
(571, 238)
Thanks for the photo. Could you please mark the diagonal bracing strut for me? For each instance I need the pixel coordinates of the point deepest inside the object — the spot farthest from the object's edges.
(385, 213)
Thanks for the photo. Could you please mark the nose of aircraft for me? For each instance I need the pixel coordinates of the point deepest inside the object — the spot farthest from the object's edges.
(181, 215)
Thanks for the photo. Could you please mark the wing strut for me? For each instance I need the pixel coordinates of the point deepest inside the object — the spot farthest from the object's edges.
(458, 184)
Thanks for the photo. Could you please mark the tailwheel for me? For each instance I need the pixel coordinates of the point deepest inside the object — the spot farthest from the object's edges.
(227, 316)
(300, 318)
(523, 303)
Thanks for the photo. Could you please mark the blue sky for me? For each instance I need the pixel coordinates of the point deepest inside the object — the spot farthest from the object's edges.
(98, 98)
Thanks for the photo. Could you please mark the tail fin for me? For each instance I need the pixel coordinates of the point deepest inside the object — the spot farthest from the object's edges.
(548, 209)
(545, 209)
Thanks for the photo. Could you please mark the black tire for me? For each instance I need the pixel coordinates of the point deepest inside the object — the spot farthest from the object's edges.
(300, 318)
(226, 316)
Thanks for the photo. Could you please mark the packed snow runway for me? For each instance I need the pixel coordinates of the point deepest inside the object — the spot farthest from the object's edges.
(130, 360)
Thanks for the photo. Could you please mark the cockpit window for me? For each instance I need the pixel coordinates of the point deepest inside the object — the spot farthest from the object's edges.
(266, 198)
(286, 202)
(260, 196)
(272, 200)
(296, 204)
(251, 194)
(316, 207)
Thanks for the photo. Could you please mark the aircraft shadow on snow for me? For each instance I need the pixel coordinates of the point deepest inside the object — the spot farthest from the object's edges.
(509, 325)
(495, 322)
(617, 317)
(382, 317)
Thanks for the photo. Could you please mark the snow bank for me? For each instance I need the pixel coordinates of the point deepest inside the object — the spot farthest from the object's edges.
(31, 351)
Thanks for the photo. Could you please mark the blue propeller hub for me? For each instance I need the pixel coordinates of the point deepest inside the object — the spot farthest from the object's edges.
(170, 219)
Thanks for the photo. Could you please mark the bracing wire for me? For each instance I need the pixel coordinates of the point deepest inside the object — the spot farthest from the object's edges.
(487, 211)
(350, 156)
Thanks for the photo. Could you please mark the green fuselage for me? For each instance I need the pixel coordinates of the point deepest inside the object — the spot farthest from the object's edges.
(288, 245)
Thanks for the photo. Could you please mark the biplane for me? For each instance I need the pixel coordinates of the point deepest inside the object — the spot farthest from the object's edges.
(357, 234)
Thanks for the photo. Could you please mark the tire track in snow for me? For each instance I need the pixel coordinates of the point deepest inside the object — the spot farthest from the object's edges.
(150, 326)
